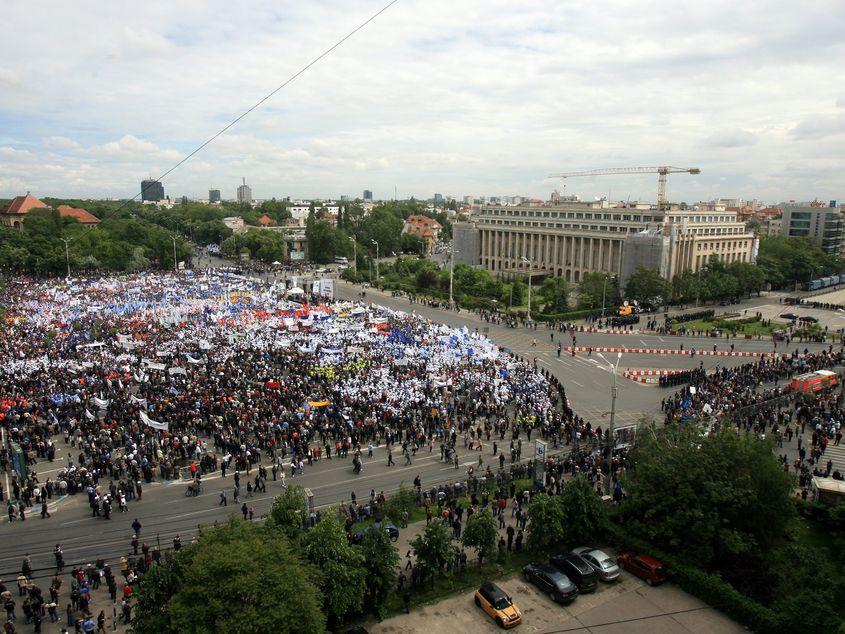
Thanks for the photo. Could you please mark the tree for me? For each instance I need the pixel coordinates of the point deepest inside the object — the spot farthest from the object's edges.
(380, 562)
(644, 285)
(433, 549)
(583, 510)
(705, 497)
(553, 295)
(403, 501)
(339, 565)
(546, 527)
(597, 287)
(238, 578)
(480, 533)
(289, 510)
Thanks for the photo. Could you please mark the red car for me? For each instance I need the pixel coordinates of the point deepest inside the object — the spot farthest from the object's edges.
(647, 568)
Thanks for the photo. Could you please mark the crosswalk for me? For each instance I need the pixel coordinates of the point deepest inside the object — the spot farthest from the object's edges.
(836, 453)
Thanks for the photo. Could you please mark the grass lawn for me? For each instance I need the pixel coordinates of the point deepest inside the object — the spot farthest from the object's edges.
(753, 328)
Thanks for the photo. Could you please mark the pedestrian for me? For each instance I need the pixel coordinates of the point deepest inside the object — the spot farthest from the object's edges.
(223, 501)
(244, 510)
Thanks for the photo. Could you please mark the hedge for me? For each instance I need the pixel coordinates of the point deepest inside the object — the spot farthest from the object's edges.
(708, 587)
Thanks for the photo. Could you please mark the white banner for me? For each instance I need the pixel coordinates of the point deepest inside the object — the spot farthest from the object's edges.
(140, 402)
(102, 404)
(153, 423)
(192, 360)
(327, 288)
(177, 370)
(89, 415)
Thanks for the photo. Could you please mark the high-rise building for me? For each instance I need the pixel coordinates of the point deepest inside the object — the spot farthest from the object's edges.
(244, 194)
(151, 190)
(438, 198)
(822, 225)
(368, 196)
(213, 196)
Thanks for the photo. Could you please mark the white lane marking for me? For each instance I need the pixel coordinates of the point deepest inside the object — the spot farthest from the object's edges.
(577, 383)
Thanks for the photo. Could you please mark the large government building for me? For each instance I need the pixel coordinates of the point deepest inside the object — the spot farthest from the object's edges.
(571, 239)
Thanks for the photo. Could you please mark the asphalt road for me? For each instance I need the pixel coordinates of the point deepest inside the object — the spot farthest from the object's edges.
(165, 511)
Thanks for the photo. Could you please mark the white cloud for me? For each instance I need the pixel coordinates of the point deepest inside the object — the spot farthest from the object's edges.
(435, 95)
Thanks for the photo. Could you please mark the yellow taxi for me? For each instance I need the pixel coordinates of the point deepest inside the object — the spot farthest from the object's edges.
(496, 602)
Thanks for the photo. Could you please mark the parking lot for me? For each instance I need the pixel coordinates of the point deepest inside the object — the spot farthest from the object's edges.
(626, 606)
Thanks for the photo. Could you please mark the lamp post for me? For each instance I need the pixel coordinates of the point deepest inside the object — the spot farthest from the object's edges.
(67, 253)
(175, 263)
(604, 293)
(610, 442)
(451, 273)
(376, 243)
(530, 266)
(355, 251)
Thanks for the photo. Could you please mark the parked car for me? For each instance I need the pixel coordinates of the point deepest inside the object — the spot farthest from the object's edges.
(390, 529)
(790, 316)
(643, 566)
(496, 602)
(578, 571)
(808, 319)
(601, 562)
(551, 581)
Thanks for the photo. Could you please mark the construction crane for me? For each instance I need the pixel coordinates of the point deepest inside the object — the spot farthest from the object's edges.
(661, 171)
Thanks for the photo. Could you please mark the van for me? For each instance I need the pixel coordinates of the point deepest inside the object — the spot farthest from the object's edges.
(578, 571)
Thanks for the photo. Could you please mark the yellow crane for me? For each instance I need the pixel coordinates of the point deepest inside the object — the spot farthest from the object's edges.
(662, 171)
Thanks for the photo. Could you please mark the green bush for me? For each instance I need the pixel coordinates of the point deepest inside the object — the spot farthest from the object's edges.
(403, 500)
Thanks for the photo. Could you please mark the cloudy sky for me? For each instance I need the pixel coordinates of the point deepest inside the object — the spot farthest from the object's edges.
(451, 96)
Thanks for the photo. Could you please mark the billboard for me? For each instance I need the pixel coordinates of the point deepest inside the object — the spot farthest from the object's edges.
(327, 288)
(297, 256)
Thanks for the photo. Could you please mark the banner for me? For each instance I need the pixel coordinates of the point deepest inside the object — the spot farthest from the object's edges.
(177, 370)
(153, 423)
(102, 404)
(152, 365)
(327, 288)
(89, 415)
(192, 360)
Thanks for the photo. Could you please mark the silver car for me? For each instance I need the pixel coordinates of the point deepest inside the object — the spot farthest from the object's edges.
(605, 567)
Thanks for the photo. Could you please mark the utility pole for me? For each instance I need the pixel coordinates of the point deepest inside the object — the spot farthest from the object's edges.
(610, 442)
(603, 294)
(451, 273)
(355, 256)
(175, 263)
(67, 253)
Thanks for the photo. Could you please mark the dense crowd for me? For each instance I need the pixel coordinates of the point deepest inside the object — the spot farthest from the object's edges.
(150, 376)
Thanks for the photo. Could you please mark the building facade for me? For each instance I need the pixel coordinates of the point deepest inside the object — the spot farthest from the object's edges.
(152, 191)
(213, 196)
(368, 196)
(821, 225)
(244, 194)
(574, 238)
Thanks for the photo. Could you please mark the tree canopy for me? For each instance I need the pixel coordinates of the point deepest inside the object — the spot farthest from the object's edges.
(239, 577)
(706, 497)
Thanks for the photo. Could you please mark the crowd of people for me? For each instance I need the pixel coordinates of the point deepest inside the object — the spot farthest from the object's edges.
(146, 376)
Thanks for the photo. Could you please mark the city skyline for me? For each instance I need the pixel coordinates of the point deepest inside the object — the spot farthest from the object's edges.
(746, 96)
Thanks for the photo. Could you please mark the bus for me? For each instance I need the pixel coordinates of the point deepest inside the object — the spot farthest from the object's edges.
(341, 260)
(814, 381)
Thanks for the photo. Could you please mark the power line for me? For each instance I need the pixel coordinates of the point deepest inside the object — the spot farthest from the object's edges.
(325, 53)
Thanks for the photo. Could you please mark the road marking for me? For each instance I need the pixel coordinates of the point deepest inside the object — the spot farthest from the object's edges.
(662, 339)
(645, 345)
(577, 383)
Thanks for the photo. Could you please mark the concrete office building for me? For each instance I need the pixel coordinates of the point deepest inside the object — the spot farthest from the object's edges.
(244, 194)
(822, 225)
(368, 196)
(152, 190)
(574, 238)
(213, 196)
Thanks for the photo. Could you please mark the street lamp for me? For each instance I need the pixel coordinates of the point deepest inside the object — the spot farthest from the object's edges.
(530, 266)
(67, 253)
(376, 243)
(175, 263)
(604, 293)
(610, 442)
(355, 257)
(451, 272)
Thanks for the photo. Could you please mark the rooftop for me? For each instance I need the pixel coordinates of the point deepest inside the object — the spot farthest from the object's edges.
(24, 204)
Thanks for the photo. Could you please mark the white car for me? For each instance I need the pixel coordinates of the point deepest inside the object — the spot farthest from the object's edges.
(605, 567)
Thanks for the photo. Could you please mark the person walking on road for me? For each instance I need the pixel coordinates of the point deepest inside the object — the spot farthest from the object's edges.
(136, 526)
(223, 501)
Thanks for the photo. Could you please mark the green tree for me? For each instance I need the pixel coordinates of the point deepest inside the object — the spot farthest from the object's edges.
(339, 565)
(380, 562)
(553, 295)
(644, 285)
(597, 287)
(289, 510)
(706, 497)
(584, 512)
(403, 501)
(546, 527)
(433, 549)
(238, 578)
(480, 533)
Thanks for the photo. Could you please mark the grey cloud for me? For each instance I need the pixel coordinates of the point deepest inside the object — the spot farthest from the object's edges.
(819, 127)
(732, 139)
